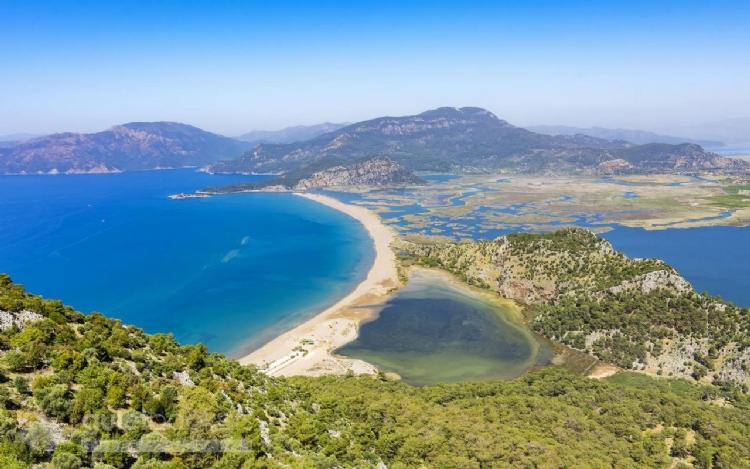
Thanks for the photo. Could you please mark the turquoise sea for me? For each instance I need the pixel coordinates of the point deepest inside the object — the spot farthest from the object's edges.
(229, 271)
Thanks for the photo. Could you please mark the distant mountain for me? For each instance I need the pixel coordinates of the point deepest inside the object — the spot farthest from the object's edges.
(639, 137)
(297, 133)
(685, 158)
(472, 139)
(440, 139)
(133, 146)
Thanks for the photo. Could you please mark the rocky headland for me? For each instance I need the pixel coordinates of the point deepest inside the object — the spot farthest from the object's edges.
(639, 314)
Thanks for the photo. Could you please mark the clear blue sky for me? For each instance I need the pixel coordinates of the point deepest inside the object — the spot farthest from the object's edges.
(234, 66)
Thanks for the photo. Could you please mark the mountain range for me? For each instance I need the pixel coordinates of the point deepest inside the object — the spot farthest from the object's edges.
(472, 139)
(467, 139)
(639, 137)
(293, 134)
(133, 146)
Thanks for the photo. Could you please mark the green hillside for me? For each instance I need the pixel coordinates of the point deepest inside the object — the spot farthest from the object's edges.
(636, 313)
(85, 391)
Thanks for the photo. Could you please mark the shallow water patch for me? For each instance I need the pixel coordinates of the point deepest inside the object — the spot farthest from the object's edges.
(433, 331)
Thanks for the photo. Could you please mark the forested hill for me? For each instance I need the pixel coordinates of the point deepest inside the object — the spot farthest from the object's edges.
(637, 313)
(473, 139)
(86, 391)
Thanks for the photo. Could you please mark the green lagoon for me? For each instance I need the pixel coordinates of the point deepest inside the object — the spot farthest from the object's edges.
(433, 331)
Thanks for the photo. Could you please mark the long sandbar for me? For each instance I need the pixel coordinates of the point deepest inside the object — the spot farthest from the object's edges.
(308, 348)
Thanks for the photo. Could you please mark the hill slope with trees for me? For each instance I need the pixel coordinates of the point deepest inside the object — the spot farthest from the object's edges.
(86, 391)
(637, 313)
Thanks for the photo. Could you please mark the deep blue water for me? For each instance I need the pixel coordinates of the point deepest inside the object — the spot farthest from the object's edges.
(715, 259)
(229, 271)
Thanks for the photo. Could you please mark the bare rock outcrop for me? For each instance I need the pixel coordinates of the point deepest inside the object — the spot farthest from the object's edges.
(19, 319)
(651, 281)
(377, 171)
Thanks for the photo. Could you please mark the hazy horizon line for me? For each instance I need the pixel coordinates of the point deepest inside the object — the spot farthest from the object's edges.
(670, 128)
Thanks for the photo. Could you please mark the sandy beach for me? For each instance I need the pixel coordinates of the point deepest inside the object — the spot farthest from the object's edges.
(307, 349)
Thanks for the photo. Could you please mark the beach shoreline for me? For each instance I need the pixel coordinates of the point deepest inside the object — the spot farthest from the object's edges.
(307, 349)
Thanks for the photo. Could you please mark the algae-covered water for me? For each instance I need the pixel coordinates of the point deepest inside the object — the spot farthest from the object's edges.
(435, 332)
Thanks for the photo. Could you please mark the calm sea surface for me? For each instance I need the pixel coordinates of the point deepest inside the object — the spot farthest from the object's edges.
(229, 271)
(714, 259)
